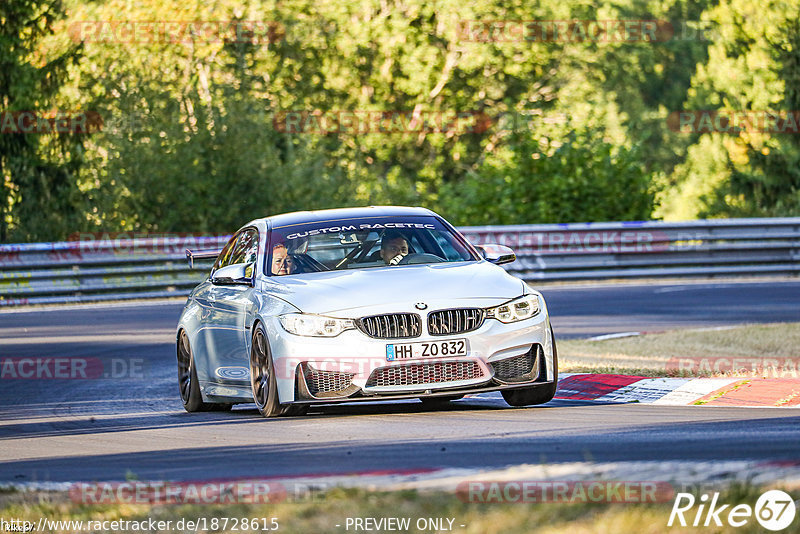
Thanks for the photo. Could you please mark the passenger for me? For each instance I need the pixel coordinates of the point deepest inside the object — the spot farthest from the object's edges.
(282, 262)
(394, 247)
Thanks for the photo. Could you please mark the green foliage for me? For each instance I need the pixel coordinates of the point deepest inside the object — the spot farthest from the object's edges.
(38, 174)
(580, 178)
(190, 141)
(228, 167)
(754, 64)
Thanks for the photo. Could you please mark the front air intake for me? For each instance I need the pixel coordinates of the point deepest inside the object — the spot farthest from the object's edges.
(456, 321)
(322, 384)
(391, 326)
(419, 374)
(522, 368)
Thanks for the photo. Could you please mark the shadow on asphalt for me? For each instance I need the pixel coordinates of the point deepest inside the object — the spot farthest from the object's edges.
(248, 414)
(768, 439)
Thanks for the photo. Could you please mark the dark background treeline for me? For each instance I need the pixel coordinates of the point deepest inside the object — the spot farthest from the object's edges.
(193, 135)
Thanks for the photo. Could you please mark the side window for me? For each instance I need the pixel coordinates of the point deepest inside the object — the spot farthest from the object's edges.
(222, 259)
(246, 248)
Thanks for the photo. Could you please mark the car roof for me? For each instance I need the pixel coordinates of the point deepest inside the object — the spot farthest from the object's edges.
(301, 217)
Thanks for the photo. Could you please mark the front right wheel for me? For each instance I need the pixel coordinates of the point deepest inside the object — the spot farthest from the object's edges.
(537, 394)
(262, 375)
(187, 378)
(263, 381)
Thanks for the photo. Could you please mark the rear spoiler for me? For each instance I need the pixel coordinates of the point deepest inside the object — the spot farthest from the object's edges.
(206, 254)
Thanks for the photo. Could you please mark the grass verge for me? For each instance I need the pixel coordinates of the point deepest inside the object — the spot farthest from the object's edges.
(649, 354)
(327, 510)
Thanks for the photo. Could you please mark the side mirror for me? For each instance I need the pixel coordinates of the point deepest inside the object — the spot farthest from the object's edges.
(497, 254)
(233, 275)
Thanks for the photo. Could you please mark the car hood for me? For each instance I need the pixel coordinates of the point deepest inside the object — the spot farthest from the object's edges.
(398, 288)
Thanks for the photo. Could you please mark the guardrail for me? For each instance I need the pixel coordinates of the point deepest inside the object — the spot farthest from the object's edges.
(653, 249)
(101, 267)
(117, 268)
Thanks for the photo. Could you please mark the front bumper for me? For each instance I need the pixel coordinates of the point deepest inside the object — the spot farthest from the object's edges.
(352, 366)
(426, 394)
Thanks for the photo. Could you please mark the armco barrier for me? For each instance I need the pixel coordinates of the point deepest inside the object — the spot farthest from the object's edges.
(104, 268)
(112, 269)
(593, 251)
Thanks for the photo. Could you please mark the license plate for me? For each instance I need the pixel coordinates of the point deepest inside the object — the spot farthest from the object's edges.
(426, 349)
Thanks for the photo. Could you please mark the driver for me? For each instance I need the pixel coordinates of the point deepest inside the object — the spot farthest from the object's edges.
(394, 247)
(282, 262)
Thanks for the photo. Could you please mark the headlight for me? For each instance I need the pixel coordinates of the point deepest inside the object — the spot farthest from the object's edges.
(518, 309)
(303, 324)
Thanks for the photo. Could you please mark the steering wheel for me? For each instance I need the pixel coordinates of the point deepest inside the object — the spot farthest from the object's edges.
(307, 264)
(414, 259)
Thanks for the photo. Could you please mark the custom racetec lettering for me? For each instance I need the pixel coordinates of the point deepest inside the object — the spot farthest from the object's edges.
(364, 226)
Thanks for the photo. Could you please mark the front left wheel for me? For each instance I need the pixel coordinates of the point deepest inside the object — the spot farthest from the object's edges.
(536, 394)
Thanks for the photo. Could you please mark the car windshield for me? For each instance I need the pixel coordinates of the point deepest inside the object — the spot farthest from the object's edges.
(362, 243)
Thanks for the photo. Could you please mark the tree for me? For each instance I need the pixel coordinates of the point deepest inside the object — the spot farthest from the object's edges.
(38, 191)
(753, 67)
(578, 177)
(190, 143)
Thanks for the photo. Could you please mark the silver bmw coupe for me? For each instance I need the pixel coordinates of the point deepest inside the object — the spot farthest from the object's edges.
(360, 304)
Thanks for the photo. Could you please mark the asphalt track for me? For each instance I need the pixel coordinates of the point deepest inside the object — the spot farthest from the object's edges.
(110, 428)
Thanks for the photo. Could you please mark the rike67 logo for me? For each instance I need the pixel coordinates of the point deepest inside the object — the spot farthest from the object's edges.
(774, 510)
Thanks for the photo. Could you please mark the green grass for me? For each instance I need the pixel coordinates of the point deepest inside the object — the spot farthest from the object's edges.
(648, 354)
(329, 509)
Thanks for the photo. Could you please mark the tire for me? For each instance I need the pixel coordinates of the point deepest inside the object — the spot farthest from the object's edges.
(537, 394)
(262, 375)
(188, 386)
